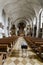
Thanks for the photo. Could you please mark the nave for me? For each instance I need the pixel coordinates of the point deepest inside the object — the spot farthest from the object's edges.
(22, 57)
(21, 32)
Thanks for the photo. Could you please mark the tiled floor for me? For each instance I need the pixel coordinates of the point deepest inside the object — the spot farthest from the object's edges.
(28, 58)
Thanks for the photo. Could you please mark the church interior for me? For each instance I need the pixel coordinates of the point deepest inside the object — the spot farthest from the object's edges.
(21, 32)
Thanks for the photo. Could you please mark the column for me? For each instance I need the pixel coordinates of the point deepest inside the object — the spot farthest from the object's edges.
(39, 24)
(1, 24)
(42, 30)
(16, 29)
(36, 26)
(34, 23)
(4, 20)
(32, 29)
(37, 20)
(9, 26)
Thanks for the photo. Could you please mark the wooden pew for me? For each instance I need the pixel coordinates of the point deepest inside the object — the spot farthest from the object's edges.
(6, 43)
(36, 44)
(1, 58)
(3, 47)
(3, 50)
(8, 40)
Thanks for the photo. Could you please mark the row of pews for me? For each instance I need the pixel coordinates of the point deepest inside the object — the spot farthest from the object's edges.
(36, 44)
(6, 45)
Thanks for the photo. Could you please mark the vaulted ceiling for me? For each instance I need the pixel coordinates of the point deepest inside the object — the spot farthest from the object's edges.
(15, 9)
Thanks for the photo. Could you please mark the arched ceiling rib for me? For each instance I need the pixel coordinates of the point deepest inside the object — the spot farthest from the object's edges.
(16, 17)
(21, 8)
(17, 5)
(22, 12)
(11, 10)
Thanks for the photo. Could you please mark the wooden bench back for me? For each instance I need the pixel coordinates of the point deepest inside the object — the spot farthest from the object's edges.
(8, 40)
(1, 56)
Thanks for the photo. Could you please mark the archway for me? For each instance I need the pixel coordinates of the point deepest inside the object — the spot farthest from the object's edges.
(21, 26)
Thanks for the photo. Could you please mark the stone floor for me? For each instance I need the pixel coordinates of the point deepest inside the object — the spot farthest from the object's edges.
(27, 57)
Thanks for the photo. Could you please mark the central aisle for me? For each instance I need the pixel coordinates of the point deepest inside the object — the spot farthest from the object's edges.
(28, 57)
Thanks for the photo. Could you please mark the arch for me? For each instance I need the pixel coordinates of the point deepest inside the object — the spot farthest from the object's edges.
(21, 24)
(40, 11)
(20, 19)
